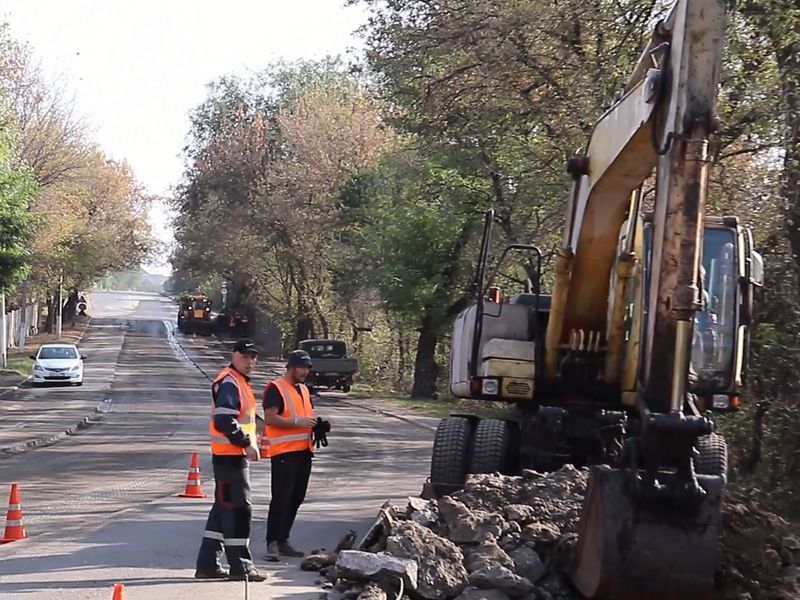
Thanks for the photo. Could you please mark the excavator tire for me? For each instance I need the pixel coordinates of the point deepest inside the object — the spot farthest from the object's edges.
(631, 548)
(490, 447)
(450, 451)
(713, 456)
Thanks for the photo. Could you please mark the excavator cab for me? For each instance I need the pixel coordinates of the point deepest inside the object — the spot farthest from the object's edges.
(729, 272)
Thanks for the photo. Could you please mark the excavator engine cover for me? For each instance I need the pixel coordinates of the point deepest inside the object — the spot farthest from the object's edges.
(633, 548)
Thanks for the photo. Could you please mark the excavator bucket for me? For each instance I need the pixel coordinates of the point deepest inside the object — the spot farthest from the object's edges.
(630, 549)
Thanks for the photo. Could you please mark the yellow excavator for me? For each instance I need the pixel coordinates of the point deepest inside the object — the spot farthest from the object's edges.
(645, 333)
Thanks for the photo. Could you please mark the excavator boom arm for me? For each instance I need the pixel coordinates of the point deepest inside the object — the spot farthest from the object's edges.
(662, 122)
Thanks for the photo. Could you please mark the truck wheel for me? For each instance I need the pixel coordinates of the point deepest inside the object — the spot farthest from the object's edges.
(713, 456)
(450, 451)
(490, 447)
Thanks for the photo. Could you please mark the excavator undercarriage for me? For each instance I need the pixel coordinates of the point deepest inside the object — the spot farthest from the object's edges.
(644, 335)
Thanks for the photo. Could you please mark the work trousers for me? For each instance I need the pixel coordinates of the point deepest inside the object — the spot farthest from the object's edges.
(290, 474)
(228, 525)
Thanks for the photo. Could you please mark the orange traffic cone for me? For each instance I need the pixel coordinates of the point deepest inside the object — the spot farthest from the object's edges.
(193, 489)
(14, 529)
(119, 591)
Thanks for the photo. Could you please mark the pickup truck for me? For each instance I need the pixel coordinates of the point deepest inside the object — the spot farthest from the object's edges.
(332, 369)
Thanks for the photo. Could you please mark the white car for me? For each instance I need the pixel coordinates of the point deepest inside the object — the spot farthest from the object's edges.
(58, 363)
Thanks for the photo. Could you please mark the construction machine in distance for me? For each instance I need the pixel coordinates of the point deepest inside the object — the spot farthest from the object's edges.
(194, 314)
(645, 334)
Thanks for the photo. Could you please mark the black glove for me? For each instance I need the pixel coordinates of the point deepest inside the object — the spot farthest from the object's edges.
(320, 432)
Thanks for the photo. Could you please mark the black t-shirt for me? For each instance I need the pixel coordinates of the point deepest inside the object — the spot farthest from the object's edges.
(273, 398)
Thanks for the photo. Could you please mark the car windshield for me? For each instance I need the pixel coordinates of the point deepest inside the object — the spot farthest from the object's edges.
(55, 352)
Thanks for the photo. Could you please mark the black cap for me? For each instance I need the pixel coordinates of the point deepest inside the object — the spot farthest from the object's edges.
(299, 358)
(245, 346)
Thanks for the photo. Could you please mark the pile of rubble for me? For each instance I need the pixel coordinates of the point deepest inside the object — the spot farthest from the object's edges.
(508, 538)
(760, 557)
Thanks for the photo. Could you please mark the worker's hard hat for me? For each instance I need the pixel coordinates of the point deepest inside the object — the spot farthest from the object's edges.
(299, 358)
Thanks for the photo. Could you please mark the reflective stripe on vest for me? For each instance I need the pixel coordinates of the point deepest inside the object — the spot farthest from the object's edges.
(246, 415)
(280, 440)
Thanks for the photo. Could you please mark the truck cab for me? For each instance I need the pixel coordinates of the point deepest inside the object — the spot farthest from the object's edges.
(333, 368)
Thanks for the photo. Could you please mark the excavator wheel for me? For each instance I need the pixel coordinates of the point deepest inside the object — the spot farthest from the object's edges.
(630, 548)
(450, 451)
(490, 447)
(713, 456)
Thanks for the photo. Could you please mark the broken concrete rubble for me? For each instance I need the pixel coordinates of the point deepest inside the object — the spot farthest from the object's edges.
(485, 555)
(509, 538)
(500, 578)
(364, 566)
(441, 570)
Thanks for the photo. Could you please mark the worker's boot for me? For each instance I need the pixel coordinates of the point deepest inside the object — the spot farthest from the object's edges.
(273, 552)
(251, 575)
(286, 549)
(217, 573)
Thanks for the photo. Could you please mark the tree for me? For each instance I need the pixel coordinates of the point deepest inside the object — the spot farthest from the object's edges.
(414, 241)
(17, 187)
(270, 155)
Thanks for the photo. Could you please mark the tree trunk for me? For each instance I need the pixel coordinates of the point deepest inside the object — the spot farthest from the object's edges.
(401, 356)
(753, 458)
(304, 326)
(71, 306)
(788, 58)
(321, 316)
(50, 321)
(426, 370)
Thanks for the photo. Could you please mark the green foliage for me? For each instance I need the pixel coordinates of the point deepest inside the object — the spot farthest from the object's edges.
(410, 230)
(17, 188)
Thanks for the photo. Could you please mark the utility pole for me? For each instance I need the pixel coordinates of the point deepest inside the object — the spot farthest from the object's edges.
(60, 312)
(3, 336)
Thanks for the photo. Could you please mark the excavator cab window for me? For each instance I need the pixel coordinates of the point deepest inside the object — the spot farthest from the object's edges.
(716, 324)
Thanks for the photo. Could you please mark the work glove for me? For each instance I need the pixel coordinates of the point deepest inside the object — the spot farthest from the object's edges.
(320, 433)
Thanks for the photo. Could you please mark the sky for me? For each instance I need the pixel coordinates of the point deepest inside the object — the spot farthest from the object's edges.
(136, 69)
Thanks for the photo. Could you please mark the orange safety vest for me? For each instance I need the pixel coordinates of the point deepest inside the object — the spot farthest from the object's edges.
(246, 415)
(280, 440)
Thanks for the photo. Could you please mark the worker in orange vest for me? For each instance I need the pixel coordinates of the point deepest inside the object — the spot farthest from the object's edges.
(287, 441)
(233, 445)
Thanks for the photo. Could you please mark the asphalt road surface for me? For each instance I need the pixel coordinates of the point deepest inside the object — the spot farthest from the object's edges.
(99, 501)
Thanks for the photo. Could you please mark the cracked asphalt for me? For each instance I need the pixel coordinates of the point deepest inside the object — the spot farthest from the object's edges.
(99, 502)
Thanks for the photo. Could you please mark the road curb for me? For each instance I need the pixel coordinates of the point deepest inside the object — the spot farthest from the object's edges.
(99, 411)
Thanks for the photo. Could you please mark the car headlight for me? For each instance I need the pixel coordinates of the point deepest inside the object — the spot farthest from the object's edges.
(75, 369)
(39, 368)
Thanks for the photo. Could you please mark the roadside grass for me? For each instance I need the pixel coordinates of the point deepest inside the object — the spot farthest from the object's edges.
(440, 407)
(19, 363)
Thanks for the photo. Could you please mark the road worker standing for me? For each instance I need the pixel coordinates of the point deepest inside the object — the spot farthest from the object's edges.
(233, 446)
(288, 442)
